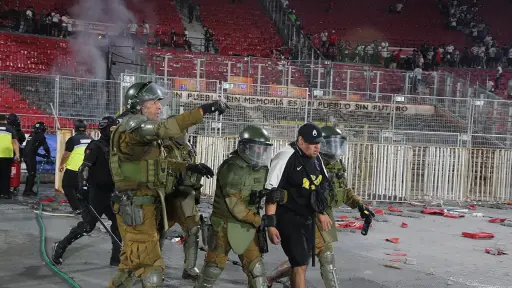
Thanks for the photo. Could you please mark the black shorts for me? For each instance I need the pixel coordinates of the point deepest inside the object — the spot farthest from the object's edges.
(297, 236)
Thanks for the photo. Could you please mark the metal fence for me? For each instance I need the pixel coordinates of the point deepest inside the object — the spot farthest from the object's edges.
(384, 118)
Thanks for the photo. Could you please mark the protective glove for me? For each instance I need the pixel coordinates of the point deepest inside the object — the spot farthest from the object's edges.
(365, 212)
(201, 169)
(215, 106)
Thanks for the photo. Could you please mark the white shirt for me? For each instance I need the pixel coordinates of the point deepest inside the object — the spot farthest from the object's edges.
(133, 28)
(65, 21)
(323, 36)
(56, 18)
(29, 14)
(145, 28)
(417, 73)
(500, 70)
(449, 48)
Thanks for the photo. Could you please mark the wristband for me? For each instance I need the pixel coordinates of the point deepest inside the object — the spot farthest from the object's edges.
(269, 220)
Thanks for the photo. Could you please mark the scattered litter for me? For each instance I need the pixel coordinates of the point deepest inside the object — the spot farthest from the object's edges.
(453, 215)
(431, 272)
(350, 225)
(416, 204)
(47, 200)
(404, 225)
(497, 220)
(431, 211)
(471, 207)
(507, 223)
(178, 240)
(343, 217)
(496, 252)
(478, 235)
(378, 212)
(450, 282)
(393, 240)
(394, 266)
(477, 214)
(396, 254)
(410, 261)
(395, 260)
(391, 209)
(63, 201)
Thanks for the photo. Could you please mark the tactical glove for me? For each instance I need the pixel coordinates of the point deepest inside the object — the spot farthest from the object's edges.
(201, 169)
(215, 106)
(365, 212)
(276, 196)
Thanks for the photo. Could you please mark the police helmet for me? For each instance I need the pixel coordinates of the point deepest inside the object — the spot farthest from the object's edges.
(13, 120)
(79, 125)
(254, 146)
(141, 92)
(39, 127)
(334, 146)
(106, 123)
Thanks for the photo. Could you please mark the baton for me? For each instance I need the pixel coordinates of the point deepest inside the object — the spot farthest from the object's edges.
(104, 226)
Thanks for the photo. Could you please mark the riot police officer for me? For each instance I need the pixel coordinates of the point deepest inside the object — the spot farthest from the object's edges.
(181, 201)
(72, 160)
(96, 189)
(332, 149)
(140, 175)
(35, 140)
(233, 221)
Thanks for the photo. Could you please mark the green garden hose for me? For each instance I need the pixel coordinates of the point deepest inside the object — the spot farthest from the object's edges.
(42, 238)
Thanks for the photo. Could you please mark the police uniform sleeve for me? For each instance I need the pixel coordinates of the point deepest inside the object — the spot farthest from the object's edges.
(171, 127)
(90, 156)
(69, 147)
(21, 136)
(45, 146)
(350, 199)
(230, 179)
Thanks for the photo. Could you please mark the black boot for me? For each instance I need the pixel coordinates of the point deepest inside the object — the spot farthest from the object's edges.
(58, 250)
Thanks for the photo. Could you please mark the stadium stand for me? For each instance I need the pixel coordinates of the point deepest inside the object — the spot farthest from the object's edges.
(363, 21)
(495, 14)
(241, 28)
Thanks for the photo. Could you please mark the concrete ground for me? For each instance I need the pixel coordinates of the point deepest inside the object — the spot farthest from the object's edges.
(439, 256)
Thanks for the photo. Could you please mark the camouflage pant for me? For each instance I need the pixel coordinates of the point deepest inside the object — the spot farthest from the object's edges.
(218, 256)
(141, 250)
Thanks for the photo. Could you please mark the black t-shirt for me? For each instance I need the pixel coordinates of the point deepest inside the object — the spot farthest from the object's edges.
(97, 155)
(288, 172)
(76, 140)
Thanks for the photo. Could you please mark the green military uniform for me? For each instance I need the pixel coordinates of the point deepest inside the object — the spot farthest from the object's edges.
(234, 222)
(183, 193)
(140, 173)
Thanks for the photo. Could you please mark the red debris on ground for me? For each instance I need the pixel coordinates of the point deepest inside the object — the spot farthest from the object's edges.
(431, 211)
(63, 201)
(391, 209)
(343, 217)
(404, 225)
(350, 225)
(494, 252)
(47, 200)
(393, 240)
(395, 260)
(472, 207)
(397, 254)
(453, 215)
(378, 212)
(478, 235)
(497, 220)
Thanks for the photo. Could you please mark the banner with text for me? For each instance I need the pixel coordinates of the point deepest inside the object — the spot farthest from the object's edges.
(297, 103)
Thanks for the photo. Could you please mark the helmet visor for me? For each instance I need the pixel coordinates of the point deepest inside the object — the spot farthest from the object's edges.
(152, 92)
(256, 153)
(336, 146)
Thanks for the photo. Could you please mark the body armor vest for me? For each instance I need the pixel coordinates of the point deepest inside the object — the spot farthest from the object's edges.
(178, 152)
(251, 179)
(336, 172)
(150, 170)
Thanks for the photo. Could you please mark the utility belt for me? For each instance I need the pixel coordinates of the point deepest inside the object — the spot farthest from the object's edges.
(130, 207)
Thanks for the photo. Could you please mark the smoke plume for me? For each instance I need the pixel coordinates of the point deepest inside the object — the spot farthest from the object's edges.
(88, 50)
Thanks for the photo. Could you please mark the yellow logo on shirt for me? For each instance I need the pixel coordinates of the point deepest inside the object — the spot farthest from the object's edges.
(317, 181)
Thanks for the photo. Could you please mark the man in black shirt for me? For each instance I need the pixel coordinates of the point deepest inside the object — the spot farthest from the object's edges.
(35, 140)
(96, 188)
(299, 170)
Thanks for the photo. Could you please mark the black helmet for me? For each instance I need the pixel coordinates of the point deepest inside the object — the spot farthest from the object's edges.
(254, 146)
(106, 123)
(80, 125)
(13, 120)
(141, 92)
(334, 145)
(39, 127)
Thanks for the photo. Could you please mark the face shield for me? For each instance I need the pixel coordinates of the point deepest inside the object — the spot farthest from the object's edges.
(256, 153)
(152, 92)
(336, 146)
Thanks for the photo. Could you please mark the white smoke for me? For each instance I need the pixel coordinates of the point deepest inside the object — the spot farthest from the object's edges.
(88, 50)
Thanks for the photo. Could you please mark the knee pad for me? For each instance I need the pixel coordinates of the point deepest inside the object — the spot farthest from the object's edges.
(256, 268)
(85, 227)
(122, 279)
(153, 279)
(209, 275)
(326, 256)
(194, 231)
